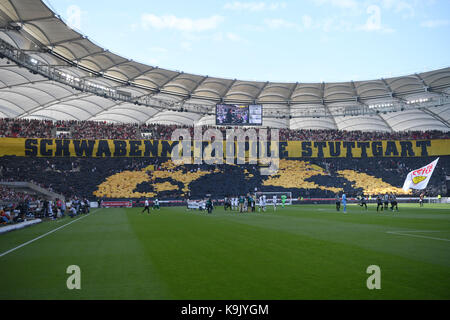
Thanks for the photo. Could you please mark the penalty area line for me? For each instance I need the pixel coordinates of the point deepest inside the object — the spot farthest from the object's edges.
(406, 233)
(42, 236)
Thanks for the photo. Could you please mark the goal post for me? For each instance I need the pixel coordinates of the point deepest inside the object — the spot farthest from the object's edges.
(270, 195)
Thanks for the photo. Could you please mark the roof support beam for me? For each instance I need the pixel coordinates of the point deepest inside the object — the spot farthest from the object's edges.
(388, 87)
(424, 85)
(142, 73)
(54, 44)
(260, 91)
(436, 116)
(69, 105)
(379, 116)
(169, 80)
(42, 32)
(117, 114)
(77, 59)
(58, 111)
(355, 92)
(391, 93)
(322, 92)
(183, 101)
(49, 104)
(327, 110)
(35, 19)
(198, 85)
(288, 100)
(222, 98)
(14, 103)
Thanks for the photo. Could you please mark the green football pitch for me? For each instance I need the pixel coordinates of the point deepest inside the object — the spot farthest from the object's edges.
(300, 252)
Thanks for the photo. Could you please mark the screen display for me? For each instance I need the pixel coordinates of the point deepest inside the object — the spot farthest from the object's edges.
(233, 114)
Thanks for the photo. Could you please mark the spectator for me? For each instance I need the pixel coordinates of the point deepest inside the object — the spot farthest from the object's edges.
(25, 128)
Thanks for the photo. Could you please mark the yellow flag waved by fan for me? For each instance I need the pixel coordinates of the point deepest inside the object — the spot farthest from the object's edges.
(418, 179)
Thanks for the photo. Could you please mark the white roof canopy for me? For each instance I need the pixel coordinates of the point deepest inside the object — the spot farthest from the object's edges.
(29, 25)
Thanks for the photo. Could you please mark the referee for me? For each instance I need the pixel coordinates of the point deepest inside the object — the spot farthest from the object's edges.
(147, 207)
(338, 203)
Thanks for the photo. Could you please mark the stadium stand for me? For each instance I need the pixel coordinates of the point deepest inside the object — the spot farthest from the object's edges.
(11, 196)
(102, 130)
(124, 178)
(16, 206)
(57, 85)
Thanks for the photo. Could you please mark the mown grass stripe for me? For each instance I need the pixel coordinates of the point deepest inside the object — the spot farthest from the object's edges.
(41, 236)
(406, 233)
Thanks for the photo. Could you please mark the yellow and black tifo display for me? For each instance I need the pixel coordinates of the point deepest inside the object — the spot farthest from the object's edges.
(38, 147)
(132, 169)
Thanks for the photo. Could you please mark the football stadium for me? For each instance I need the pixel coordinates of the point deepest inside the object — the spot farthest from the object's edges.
(127, 181)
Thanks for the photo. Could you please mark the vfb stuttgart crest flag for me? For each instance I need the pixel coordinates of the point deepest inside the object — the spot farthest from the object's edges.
(418, 179)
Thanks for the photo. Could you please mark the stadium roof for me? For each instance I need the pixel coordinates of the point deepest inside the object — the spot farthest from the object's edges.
(31, 28)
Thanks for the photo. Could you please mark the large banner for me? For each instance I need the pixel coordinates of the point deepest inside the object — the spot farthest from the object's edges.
(23, 147)
(117, 204)
(197, 205)
(419, 178)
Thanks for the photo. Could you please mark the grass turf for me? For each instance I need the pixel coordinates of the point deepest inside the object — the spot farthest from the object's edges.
(300, 252)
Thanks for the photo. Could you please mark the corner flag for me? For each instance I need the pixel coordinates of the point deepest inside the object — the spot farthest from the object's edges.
(418, 179)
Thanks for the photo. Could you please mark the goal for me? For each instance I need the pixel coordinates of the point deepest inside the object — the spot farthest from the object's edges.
(270, 195)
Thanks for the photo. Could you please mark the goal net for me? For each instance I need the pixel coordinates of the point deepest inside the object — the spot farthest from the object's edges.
(270, 197)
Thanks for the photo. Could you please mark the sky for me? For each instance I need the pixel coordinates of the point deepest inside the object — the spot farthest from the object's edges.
(277, 41)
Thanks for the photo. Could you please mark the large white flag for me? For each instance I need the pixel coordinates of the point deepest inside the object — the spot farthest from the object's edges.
(418, 179)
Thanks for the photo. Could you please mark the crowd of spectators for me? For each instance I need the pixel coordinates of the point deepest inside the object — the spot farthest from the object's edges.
(18, 208)
(340, 135)
(71, 178)
(10, 195)
(18, 128)
(82, 176)
(14, 205)
(392, 171)
(102, 130)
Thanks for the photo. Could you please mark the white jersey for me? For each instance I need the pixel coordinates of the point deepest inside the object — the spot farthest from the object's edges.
(262, 201)
(146, 203)
(274, 200)
(156, 202)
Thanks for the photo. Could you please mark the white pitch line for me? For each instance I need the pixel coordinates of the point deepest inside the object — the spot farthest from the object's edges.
(41, 236)
(410, 231)
(404, 233)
